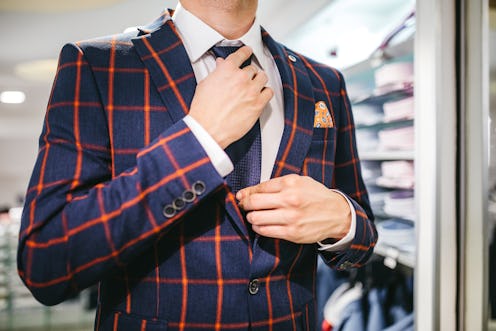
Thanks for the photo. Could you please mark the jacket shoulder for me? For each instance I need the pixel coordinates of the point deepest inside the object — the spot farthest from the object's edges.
(118, 42)
(324, 70)
(121, 42)
(98, 52)
(321, 74)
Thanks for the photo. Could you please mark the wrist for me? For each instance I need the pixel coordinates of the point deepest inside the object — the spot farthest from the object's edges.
(340, 208)
(213, 129)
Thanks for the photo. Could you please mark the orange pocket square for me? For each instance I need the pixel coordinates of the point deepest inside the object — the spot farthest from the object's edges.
(322, 118)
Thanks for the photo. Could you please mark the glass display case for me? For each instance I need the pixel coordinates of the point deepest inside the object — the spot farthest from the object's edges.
(373, 46)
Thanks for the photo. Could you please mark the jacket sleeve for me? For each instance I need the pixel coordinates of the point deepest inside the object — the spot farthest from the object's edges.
(347, 179)
(79, 222)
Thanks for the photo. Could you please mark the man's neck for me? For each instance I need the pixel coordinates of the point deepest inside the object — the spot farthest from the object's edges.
(231, 18)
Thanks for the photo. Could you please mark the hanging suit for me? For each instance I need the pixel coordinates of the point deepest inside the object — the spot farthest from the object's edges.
(123, 194)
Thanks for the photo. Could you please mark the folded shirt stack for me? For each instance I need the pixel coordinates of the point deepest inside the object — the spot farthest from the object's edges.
(367, 140)
(393, 77)
(400, 203)
(397, 233)
(397, 174)
(398, 110)
(370, 171)
(367, 114)
(397, 139)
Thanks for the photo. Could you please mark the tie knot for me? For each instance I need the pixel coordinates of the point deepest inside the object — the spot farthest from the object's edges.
(225, 51)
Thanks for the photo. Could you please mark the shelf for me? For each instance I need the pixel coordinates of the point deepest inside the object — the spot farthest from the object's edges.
(381, 214)
(393, 256)
(385, 125)
(386, 94)
(361, 80)
(386, 155)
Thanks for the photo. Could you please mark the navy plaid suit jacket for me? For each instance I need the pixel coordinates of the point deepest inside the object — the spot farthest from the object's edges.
(115, 155)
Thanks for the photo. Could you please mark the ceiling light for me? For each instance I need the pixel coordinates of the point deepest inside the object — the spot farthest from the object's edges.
(12, 97)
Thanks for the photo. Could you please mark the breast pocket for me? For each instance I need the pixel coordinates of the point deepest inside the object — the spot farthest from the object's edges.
(319, 162)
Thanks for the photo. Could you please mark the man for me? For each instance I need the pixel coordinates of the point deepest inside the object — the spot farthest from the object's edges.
(133, 189)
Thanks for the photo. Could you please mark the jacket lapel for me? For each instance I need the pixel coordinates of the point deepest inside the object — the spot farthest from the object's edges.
(299, 109)
(163, 54)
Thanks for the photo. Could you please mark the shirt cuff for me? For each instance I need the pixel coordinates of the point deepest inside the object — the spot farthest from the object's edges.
(220, 160)
(344, 242)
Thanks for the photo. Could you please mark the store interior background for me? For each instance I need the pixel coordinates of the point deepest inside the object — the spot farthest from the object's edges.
(33, 32)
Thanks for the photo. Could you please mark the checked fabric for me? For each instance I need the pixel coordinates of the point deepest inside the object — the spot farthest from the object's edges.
(115, 152)
(245, 153)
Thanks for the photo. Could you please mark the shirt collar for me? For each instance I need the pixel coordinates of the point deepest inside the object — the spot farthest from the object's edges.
(198, 37)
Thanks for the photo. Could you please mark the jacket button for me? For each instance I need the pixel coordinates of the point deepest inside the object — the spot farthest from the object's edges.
(169, 211)
(178, 204)
(199, 187)
(253, 287)
(189, 196)
(346, 265)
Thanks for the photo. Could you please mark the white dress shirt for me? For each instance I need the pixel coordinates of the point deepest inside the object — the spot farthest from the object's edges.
(198, 38)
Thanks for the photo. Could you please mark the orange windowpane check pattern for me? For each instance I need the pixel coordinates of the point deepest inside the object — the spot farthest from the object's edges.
(123, 194)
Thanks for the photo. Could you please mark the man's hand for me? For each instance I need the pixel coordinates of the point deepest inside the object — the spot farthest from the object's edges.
(297, 209)
(230, 100)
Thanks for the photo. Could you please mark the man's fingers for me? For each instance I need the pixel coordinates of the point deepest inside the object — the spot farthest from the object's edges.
(263, 201)
(266, 94)
(261, 78)
(240, 56)
(251, 71)
(267, 217)
(272, 231)
(271, 186)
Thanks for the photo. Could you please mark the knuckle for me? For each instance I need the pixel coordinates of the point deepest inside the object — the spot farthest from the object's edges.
(247, 73)
(293, 200)
(252, 200)
(263, 76)
(292, 217)
(257, 198)
(291, 180)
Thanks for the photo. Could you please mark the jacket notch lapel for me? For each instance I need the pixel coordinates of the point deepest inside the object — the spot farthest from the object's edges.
(299, 108)
(165, 57)
(163, 53)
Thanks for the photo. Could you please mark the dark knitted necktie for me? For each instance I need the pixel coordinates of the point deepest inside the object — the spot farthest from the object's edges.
(245, 153)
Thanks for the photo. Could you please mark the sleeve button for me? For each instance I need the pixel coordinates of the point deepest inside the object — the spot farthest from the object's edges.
(189, 196)
(199, 187)
(169, 211)
(345, 265)
(178, 204)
